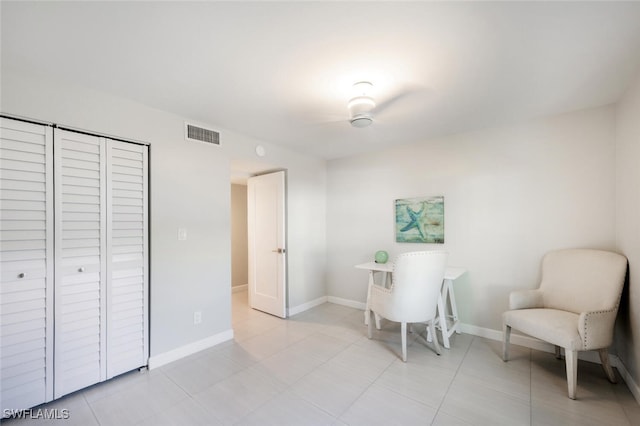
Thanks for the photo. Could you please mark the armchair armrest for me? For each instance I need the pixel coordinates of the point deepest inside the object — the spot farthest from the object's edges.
(596, 328)
(525, 299)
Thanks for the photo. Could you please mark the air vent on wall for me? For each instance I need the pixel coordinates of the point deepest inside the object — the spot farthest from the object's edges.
(201, 134)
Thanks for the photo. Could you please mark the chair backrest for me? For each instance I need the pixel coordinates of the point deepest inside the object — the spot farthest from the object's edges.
(581, 280)
(417, 280)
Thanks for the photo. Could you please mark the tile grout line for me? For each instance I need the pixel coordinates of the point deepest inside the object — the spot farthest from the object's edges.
(91, 408)
(314, 369)
(408, 396)
(453, 379)
(352, 344)
(166, 376)
(287, 387)
(366, 389)
(189, 395)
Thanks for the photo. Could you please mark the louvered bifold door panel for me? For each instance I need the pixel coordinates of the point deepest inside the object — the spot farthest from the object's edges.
(80, 320)
(26, 265)
(127, 259)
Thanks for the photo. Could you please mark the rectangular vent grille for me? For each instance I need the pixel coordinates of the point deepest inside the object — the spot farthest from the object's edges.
(197, 133)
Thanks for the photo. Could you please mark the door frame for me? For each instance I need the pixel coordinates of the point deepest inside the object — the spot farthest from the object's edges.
(284, 312)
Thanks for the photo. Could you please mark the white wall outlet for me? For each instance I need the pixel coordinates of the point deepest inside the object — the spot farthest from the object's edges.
(182, 234)
(197, 317)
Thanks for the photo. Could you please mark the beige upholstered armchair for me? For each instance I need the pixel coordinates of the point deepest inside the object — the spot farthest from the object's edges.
(574, 308)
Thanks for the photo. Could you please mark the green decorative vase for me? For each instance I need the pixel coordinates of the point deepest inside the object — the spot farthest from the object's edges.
(382, 256)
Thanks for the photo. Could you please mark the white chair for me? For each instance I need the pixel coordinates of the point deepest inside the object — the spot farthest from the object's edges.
(413, 295)
(574, 308)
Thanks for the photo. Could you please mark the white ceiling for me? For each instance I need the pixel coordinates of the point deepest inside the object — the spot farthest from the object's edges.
(281, 72)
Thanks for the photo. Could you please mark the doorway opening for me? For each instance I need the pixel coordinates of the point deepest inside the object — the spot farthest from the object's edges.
(253, 198)
(239, 250)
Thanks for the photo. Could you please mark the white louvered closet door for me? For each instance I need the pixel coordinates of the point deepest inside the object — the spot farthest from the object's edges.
(80, 236)
(127, 258)
(26, 262)
(101, 290)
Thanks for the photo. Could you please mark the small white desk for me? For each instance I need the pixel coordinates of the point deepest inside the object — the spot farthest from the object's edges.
(447, 320)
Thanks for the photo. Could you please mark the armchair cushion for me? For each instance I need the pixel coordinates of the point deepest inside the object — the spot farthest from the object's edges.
(558, 327)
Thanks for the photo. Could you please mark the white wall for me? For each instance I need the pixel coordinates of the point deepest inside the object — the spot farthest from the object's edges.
(306, 216)
(239, 241)
(189, 187)
(628, 226)
(511, 194)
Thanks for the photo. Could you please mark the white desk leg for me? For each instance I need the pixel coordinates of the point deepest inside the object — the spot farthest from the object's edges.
(454, 308)
(367, 310)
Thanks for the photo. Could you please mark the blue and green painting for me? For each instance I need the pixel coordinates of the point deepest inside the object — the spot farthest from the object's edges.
(420, 220)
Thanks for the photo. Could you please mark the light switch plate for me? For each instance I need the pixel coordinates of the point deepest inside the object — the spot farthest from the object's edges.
(182, 234)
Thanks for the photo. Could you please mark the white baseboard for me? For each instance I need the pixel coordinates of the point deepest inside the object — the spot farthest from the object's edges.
(346, 302)
(631, 384)
(516, 339)
(239, 288)
(306, 306)
(190, 349)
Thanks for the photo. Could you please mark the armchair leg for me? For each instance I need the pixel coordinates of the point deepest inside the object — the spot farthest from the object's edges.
(403, 332)
(606, 366)
(506, 335)
(370, 324)
(571, 360)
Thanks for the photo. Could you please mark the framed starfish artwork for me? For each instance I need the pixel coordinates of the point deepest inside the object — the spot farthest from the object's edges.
(420, 220)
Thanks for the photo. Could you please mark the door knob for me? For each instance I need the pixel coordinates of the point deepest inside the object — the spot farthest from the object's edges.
(280, 250)
(22, 275)
(81, 269)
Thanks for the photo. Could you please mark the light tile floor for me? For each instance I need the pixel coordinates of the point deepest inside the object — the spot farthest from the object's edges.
(319, 368)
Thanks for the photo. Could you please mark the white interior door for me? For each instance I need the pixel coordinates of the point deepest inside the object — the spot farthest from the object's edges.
(267, 243)
(101, 291)
(80, 274)
(100, 296)
(26, 264)
(127, 257)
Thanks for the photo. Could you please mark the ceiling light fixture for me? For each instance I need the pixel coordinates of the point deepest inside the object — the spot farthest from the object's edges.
(361, 105)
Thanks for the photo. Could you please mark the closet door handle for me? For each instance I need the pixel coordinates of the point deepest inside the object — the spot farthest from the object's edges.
(81, 269)
(22, 275)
